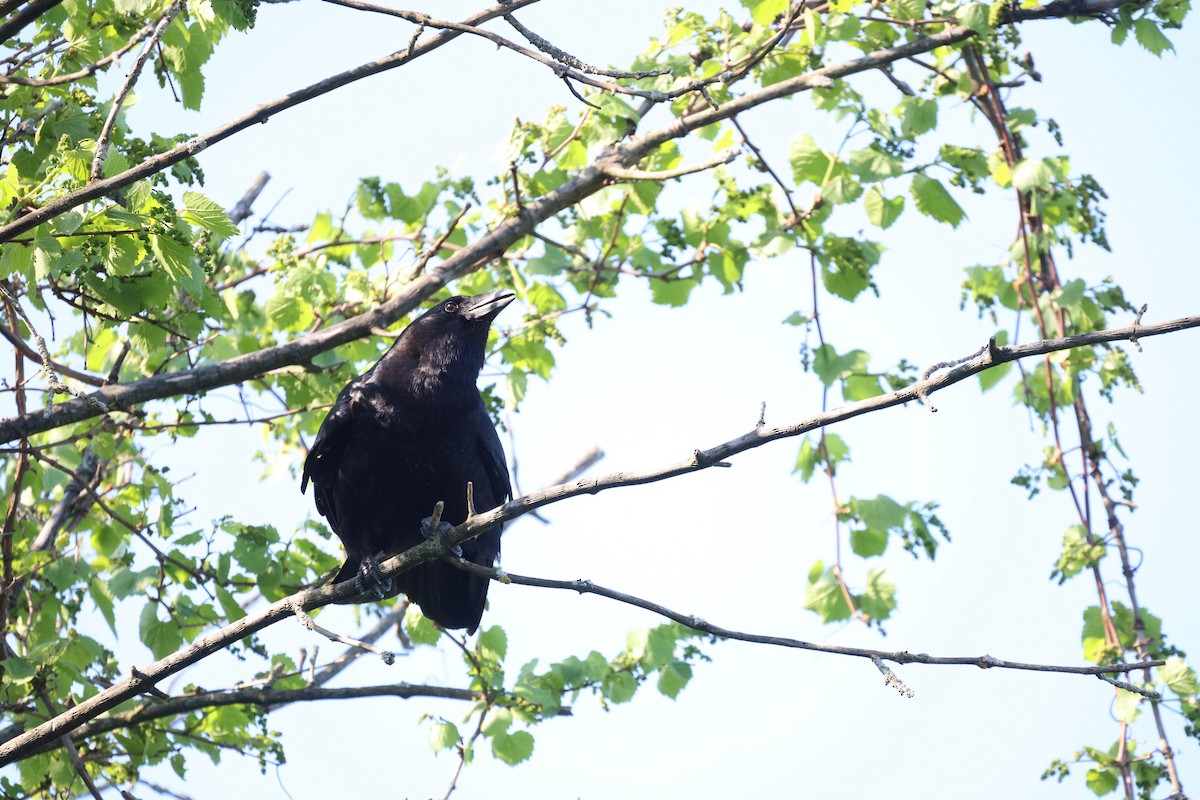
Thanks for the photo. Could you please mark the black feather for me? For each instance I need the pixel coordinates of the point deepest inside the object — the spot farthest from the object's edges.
(409, 432)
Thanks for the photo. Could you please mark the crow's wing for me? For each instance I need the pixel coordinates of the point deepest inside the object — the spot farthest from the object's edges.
(491, 454)
(326, 454)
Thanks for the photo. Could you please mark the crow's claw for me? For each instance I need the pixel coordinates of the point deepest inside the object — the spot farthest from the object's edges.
(367, 580)
(439, 536)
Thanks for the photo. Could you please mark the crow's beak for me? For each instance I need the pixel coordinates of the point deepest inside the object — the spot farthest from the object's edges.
(486, 306)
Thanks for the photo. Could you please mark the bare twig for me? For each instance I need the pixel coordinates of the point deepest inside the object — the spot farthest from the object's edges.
(388, 656)
(55, 385)
(703, 626)
(571, 61)
(72, 752)
(622, 174)
(67, 507)
(242, 209)
(891, 679)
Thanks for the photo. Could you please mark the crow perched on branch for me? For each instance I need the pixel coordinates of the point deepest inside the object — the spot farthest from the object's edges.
(409, 432)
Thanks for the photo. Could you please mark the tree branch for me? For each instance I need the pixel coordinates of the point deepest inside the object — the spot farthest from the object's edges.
(13, 25)
(309, 599)
(698, 624)
(267, 699)
(621, 174)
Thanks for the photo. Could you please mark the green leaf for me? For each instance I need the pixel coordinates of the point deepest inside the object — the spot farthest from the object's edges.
(1179, 677)
(232, 610)
(764, 12)
(824, 596)
(1151, 37)
(201, 211)
(881, 211)
(841, 190)
(498, 721)
(829, 366)
(1029, 174)
(880, 512)
(618, 687)
(990, 377)
(860, 387)
(810, 455)
(515, 385)
(1101, 780)
(672, 293)
(493, 644)
(879, 600)
(15, 258)
(974, 16)
(934, 201)
(443, 736)
(907, 9)
(19, 669)
(1125, 706)
(1095, 648)
(420, 628)
(673, 677)
(163, 638)
(918, 115)
(868, 542)
(513, 748)
(809, 162)
(872, 164)
(176, 258)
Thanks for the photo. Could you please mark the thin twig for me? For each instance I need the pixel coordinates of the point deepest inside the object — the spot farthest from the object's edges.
(566, 58)
(622, 174)
(703, 626)
(55, 385)
(388, 656)
(102, 139)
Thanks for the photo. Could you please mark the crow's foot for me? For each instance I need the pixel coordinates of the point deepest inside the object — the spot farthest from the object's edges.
(367, 580)
(439, 535)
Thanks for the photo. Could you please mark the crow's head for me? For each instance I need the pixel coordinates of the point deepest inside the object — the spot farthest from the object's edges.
(451, 338)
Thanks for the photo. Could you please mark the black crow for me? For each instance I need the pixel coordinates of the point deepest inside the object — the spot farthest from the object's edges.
(409, 432)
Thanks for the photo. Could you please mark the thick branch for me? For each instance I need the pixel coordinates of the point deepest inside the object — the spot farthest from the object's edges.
(13, 25)
(309, 599)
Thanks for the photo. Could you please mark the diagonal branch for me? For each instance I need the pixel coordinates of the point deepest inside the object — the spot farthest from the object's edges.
(267, 699)
(308, 599)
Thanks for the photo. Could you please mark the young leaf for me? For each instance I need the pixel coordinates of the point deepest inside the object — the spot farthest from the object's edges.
(513, 748)
(201, 211)
(881, 211)
(1151, 37)
(1178, 676)
(933, 200)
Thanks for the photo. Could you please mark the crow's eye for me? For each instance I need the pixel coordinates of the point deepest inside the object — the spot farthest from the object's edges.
(451, 308)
